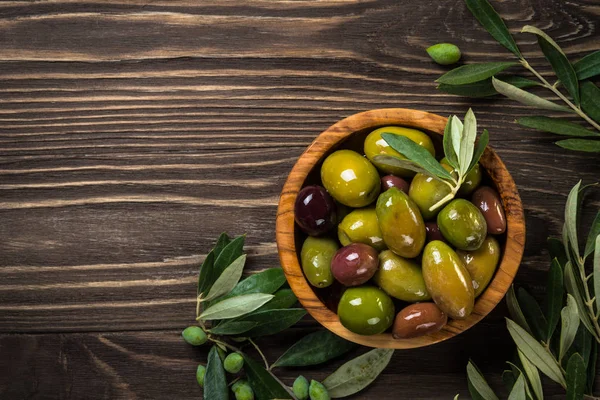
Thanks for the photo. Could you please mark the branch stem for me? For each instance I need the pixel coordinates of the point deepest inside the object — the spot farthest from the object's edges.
(261, 354)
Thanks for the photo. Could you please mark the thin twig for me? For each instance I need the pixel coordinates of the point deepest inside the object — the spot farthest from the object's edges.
(261, 354)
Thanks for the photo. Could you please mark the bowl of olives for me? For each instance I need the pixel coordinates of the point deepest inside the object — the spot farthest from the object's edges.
(376, 253)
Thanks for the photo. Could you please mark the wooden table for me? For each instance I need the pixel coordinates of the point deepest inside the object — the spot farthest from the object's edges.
(133, 133)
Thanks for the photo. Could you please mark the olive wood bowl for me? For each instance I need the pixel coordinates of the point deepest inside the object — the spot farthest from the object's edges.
(350, 133)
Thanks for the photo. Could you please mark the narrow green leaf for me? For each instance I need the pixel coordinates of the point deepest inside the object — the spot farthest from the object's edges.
(590, 100)
(533, 314)
(533, 376)
(523, 97)
(591, 239)
(558, 60)
(233, 327)
(401, 163)
(556, 249)
(206, 271)
(555, 125)
(473, 73)
(449, 152)
(467, 144)
(478, 386)
(235, 306)
(571, 211)
(222, 241)
(230, 252)
(508, 378)
(518, 391)
(576, 377)
(417, 154)
(569, 317)
(456, 126)
(270, 322)
(493, 23)
(517, 373)
(514, 309)
(535, 352)
(264, 384)
(358, 373)
(554, 297)
(591, 367)
(479, 148)
(456, 397)
(267, 281)
(597, 272)
(590, 146)
(588, 66)
(566, 244)
(485, 88)
(228, 279)
(313, 349)
(215, 381)
(283, 298)
(574, 289)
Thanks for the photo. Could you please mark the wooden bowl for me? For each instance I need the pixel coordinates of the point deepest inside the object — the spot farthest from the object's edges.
(350, 133)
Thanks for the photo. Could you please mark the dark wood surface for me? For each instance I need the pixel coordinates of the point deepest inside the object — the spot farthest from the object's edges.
(133, 133)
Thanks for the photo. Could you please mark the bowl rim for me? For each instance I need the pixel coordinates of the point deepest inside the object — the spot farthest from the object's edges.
(335, 135)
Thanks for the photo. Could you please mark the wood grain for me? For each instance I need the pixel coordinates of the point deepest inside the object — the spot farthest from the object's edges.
(133, 133)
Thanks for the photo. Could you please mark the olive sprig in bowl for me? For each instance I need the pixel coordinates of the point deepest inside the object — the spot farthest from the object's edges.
(423, 248)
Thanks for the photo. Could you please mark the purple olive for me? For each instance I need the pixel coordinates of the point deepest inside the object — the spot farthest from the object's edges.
(390, 181)
(354, 264)
(433, 232)
(315, 211)
(487, 200)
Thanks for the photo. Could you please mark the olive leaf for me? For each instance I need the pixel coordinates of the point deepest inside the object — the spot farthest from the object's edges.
(576, 377)
(573, 287)
(215, 382)
(597, 271)
(533, 314)
(554, 297)
(588, 66)
(508, 378)
(315, 348)
(491, 21)
(264, 384)
(529, 99)
(478, 386)
(485, 88)
(535, 352)
(590, 100)
(456, 130)
(533, 376)
(558, 60)
(518, 391)
(270, 322)
(569, 324)
(571, 209)
(235, 306)
(228, 279)
(229, 253)
(517, 373)
(467, 143)
(554, 125)
(206, 271)
(591, 239)
(473, 73)
(267, 281)
(233, 327)
(400, 163)
(556, 249)
(566, 244)
(283, 298)
(358, 373)
(590, 146)
(451, 155)
(514, 310)
(479, 149)
(417, 154)
(591, 368)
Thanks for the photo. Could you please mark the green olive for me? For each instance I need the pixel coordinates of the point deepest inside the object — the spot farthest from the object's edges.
(350, 178)
(401, 278)
(375, 145)
(401, 223)
(462, 224)
(316, 256)
(426, 191)
(444, 53)
(361, 226)
(448, 280)
(481, 263)
(366, 310)
(472, 179)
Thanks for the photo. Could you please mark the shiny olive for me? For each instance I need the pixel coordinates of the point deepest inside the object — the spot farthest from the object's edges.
(472, 179)
(390, 181)
(417, 320)
(366, 310)
(462, 224)
(300, 388)
(350, 178)
(433, 232)
(315, 211)
(487, 200)
(481, 263)
(361, 226)
(316, 258)
(448, 280)
(401, 278)
(318, 391)
(426, 192)
(401, 223)
(354, 264)
(375, 145)
(444, 53)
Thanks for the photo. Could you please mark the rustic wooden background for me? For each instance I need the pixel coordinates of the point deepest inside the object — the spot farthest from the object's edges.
(133, 133)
